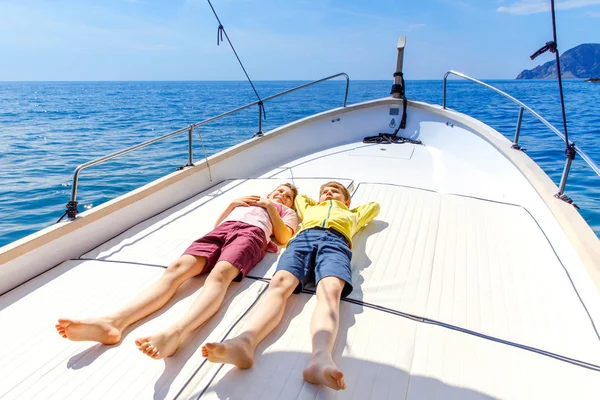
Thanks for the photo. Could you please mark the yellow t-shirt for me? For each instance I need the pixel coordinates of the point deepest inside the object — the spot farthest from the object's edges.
(335, 215)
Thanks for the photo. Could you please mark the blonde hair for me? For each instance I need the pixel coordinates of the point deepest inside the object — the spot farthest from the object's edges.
(339, 186)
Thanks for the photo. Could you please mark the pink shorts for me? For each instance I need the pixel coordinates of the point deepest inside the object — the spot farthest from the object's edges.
(239, 243)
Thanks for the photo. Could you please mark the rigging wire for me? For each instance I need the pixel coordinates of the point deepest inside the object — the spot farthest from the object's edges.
(553, 48)
(220, 32)
(562, 100)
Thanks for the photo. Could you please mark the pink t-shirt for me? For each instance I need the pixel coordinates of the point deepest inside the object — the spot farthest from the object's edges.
(258, 216)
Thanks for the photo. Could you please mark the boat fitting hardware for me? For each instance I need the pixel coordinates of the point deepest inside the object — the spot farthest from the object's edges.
(570, 156)
(190, 162)
(71, 212)
(566, 199)
(518, 130)
(261, 111)
(399, 87)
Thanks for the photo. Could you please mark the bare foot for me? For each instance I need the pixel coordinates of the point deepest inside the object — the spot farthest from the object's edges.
(232, 351)
(324, 373)
(161, 345)
(98, 330)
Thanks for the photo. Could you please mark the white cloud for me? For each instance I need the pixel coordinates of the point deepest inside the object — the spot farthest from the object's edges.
(526, 7)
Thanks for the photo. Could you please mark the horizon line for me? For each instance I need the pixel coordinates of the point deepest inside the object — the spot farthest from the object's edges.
(265, 80)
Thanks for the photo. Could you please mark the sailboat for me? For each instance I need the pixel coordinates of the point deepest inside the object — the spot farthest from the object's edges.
(476, 280)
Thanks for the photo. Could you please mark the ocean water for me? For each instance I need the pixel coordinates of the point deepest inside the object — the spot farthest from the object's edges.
(47, 129)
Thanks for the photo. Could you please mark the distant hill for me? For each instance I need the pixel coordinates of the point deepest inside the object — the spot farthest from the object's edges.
(580, 62)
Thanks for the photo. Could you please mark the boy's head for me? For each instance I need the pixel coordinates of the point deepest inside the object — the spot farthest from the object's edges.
(285, 194)
(335, 191)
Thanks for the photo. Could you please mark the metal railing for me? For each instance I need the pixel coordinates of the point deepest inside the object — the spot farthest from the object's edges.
(72, 211)
(523, 107)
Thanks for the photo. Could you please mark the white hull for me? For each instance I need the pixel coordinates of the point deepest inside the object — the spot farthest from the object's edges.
(474, 281)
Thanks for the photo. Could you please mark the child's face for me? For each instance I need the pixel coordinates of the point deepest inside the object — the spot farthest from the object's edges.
(282, 195)
(333, 193)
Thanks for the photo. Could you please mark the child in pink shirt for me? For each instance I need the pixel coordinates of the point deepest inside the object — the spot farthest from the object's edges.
(239, 241)
(244, 231)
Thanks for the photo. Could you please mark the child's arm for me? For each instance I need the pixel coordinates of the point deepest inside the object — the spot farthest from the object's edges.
(302, 203)
(366, 213)
(281, 231)
(241, 202)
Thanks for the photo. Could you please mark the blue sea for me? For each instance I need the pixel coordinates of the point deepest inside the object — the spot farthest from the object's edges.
(47, 129)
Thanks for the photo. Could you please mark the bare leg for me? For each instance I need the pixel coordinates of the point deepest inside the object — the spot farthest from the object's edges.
(108, 329)
(165, 343)
(239, 351)
(324, 327)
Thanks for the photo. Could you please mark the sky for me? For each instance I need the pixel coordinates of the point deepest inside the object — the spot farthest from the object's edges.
(109, 40)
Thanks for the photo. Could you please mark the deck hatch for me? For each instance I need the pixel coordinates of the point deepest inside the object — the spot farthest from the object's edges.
(399, 151)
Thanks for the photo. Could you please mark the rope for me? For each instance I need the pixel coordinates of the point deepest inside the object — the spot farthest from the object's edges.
(552, 47)
(61, 218)
(220, 32)
(205, 157)
(71, 211)
(389, 138)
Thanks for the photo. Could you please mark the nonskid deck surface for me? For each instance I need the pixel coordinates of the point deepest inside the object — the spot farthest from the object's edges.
(384, 356)
(460, 261)
(40, 364)
(449, 301)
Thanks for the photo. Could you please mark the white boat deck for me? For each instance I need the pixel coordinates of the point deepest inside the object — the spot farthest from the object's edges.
(464, 288)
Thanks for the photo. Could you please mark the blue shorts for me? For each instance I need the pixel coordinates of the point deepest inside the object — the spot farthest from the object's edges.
(316, 254)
